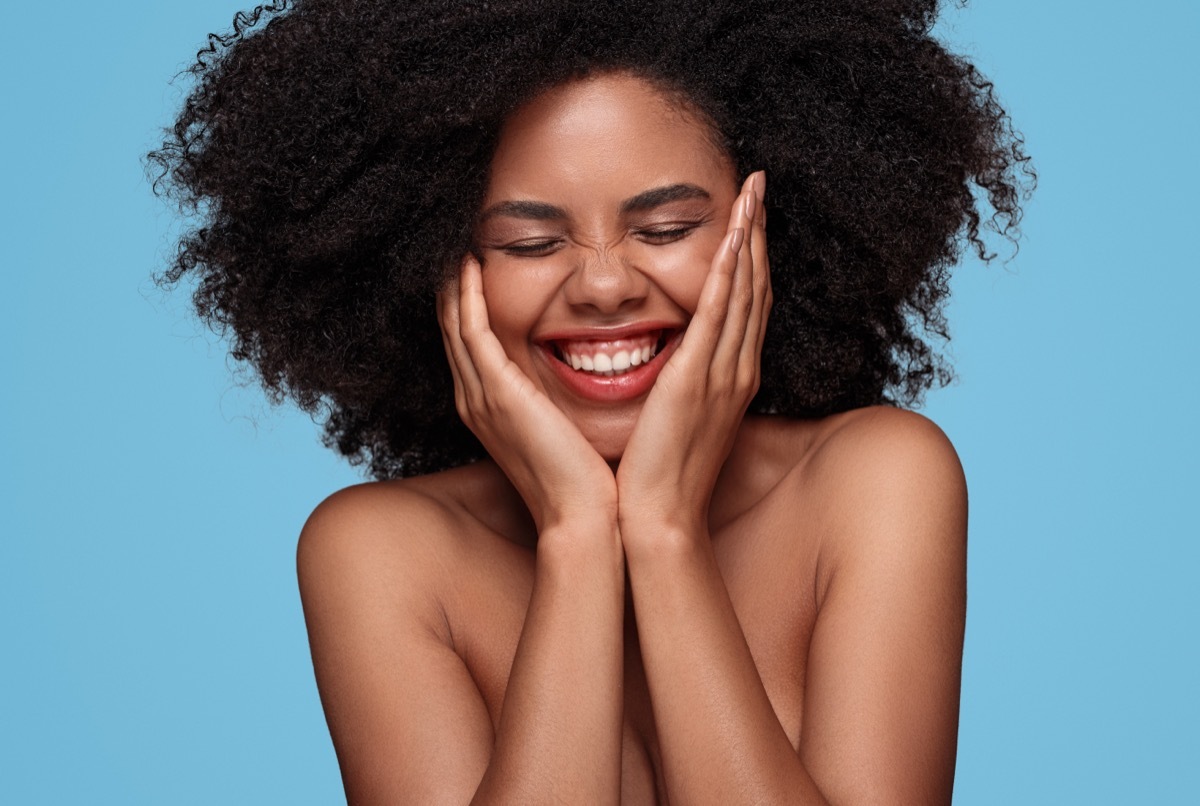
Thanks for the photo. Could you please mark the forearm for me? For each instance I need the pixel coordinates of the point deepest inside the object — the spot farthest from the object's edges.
(559, 736)
(720, 739)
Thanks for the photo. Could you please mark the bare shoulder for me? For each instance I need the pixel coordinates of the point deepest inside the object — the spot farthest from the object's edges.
(376, 564)
(391, 535)
(885, 492)
(877, 448)
(887, 449)
(876, 484)
(892, 491)
(368, 523)
(371, 511)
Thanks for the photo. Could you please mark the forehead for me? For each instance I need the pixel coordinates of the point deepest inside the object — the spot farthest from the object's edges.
(613, 133)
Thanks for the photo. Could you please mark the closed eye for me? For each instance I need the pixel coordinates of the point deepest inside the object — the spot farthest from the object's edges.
(651, 235)
(666, 234)
(532, 248)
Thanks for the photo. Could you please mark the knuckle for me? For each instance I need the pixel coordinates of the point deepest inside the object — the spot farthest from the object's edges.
(745, 304)
(476, 401)
(471, 335)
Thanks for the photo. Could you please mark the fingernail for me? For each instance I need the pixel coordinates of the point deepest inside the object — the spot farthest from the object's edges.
(748, 206)
(735, 243)
(759, 183)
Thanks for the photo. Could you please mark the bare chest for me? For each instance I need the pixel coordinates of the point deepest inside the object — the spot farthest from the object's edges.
(769, 570)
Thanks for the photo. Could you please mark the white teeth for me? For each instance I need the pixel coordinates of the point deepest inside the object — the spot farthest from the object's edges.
(595, 359)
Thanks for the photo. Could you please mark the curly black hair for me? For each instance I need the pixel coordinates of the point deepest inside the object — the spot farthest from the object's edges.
(336, 154)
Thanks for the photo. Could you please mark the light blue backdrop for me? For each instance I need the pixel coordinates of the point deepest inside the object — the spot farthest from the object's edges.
(153, 648)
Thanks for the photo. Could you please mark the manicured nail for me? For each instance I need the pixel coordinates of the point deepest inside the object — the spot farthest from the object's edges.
(758, 181)
(748, 205)
(735, 243)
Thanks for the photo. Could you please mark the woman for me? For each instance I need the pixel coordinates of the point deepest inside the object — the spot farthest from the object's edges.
(638, 593)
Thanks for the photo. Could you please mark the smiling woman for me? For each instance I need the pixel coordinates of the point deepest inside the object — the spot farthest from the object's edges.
(638, 592)
(604, 207)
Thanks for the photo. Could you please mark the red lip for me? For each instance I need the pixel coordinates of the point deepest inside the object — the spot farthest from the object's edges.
(629, 385)
(603, 333)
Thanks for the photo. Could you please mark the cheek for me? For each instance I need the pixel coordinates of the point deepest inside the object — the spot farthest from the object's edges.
(681, 269)
(516, 293)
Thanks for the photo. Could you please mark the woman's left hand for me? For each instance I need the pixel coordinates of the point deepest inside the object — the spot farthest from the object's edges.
(688, 425)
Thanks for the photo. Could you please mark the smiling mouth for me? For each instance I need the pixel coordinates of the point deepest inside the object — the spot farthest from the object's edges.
(609, 357)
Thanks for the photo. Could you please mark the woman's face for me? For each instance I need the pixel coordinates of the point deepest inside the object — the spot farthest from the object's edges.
(605, 205)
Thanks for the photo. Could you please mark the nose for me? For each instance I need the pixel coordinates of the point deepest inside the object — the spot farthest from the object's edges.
(605, 281)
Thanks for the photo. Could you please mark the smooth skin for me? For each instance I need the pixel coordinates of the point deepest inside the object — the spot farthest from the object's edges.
(652, 600)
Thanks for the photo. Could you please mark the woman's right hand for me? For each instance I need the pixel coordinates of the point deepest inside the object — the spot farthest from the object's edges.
(558, 473)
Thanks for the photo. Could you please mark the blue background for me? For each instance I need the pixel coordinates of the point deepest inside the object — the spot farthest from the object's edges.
(153, 643)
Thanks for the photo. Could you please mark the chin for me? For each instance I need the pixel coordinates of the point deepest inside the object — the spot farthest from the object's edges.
(610, 449)
(609, 442)
(607, 428)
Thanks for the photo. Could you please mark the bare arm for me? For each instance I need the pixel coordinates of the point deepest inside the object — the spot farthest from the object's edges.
(408, 721)
(880, 708)
(881, 701)
(884, 667)
(559, 737)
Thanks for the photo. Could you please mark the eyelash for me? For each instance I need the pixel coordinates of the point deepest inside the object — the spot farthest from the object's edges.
(669, 235)
(539, 249)
(654, 237)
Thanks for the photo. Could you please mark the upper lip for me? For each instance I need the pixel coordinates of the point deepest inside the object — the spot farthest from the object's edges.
(612, 333)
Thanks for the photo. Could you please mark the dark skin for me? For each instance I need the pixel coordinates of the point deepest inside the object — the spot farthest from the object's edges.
(746, 610)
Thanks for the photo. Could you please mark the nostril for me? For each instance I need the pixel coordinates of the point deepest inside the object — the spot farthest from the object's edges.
(606, 282)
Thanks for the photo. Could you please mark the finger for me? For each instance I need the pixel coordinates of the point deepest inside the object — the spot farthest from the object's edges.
(447, 305)
(471, 303)
(449, 316)
(487, 355)
(463, 315)
(741, 299)
(713, 307)
(752, 347)
(705, 328)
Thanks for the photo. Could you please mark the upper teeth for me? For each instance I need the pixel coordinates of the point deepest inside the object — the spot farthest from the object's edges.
(609, 357)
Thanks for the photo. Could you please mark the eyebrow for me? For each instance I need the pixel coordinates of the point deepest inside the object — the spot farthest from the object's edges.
(537, 211)
(650, 199)
(646, 200)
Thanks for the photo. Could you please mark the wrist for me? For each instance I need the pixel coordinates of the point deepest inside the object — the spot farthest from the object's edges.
(662, 536)
(595, 543)
(572, 512)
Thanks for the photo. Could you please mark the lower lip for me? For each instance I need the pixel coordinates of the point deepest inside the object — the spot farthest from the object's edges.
(612, 388)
